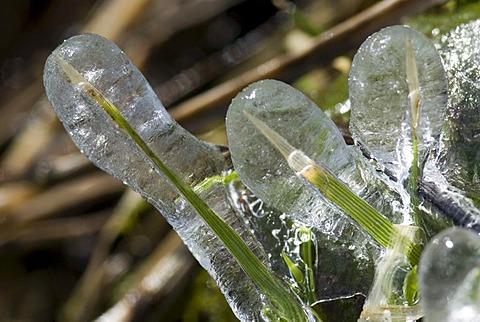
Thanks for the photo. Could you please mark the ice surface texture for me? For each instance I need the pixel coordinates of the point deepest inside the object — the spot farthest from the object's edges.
(258, 163)
(295, 117)
(452, 179)
(449, 276)
(380, 122)
(381, 114)
(343, 246)
(379, 95)
(108, 69)
(460, 158)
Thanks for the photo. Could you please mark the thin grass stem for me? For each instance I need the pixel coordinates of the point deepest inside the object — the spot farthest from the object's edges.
(415, 108)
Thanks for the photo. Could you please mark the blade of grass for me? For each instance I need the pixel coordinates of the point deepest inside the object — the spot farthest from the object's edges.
(413, 83)
(415, 107)
(286, 305)
(379, 227)
(294, 270)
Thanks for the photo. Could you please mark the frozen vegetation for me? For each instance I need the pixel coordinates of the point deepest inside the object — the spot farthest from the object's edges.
(334, 228)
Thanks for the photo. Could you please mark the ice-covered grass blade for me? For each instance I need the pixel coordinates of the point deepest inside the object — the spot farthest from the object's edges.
(387, 87)
(411, 287)
(302, 271)
(379, 227)
(415, 107)
(285, 304)
(413, 84)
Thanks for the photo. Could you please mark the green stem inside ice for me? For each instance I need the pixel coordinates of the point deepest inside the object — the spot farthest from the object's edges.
(302, 269)
(307, 255)
(415, 106)
(285, 305)
(209, 182)
(379, 227)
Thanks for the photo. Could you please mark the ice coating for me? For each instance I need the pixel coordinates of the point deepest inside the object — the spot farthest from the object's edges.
(451, 178)
(449, 200)
(444, 266)
(266, 172)
(259, 163)
(465, 305)
(296, 118)
(109, 70)
(379, 96)
(460, 156)
(334, 279)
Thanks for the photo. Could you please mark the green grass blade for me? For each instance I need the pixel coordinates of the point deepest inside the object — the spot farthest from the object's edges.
(415, 108)
(285, 304)
(294, 270)
(379, 227)
(411, 287)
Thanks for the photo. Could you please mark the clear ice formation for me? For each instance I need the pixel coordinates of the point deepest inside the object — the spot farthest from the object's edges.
(106, 67)
(460, 156)
(379, 96)
(381, 121)
(449, 276)
(380, 124)
(344, 249)
(451, 178)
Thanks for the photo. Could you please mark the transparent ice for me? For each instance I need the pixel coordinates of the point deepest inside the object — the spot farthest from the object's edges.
(465, 305)
(345, 251)
(275, 203)
(111, 72)
(451, 176)
(381, 118)
(379, 95)
(448, 151)
(460, 156)
(380, 124)
(449, 267)
(449, 276)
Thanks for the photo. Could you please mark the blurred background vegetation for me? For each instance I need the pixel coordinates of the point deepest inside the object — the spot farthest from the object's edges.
(75, 244)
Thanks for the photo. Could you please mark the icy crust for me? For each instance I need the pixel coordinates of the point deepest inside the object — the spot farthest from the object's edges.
(244, 298)
(335, 280)
(111, 72)
(343, 247)
(460, 156)
(379, 95)
(448, 274)
(447, 200)
(295, 117)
